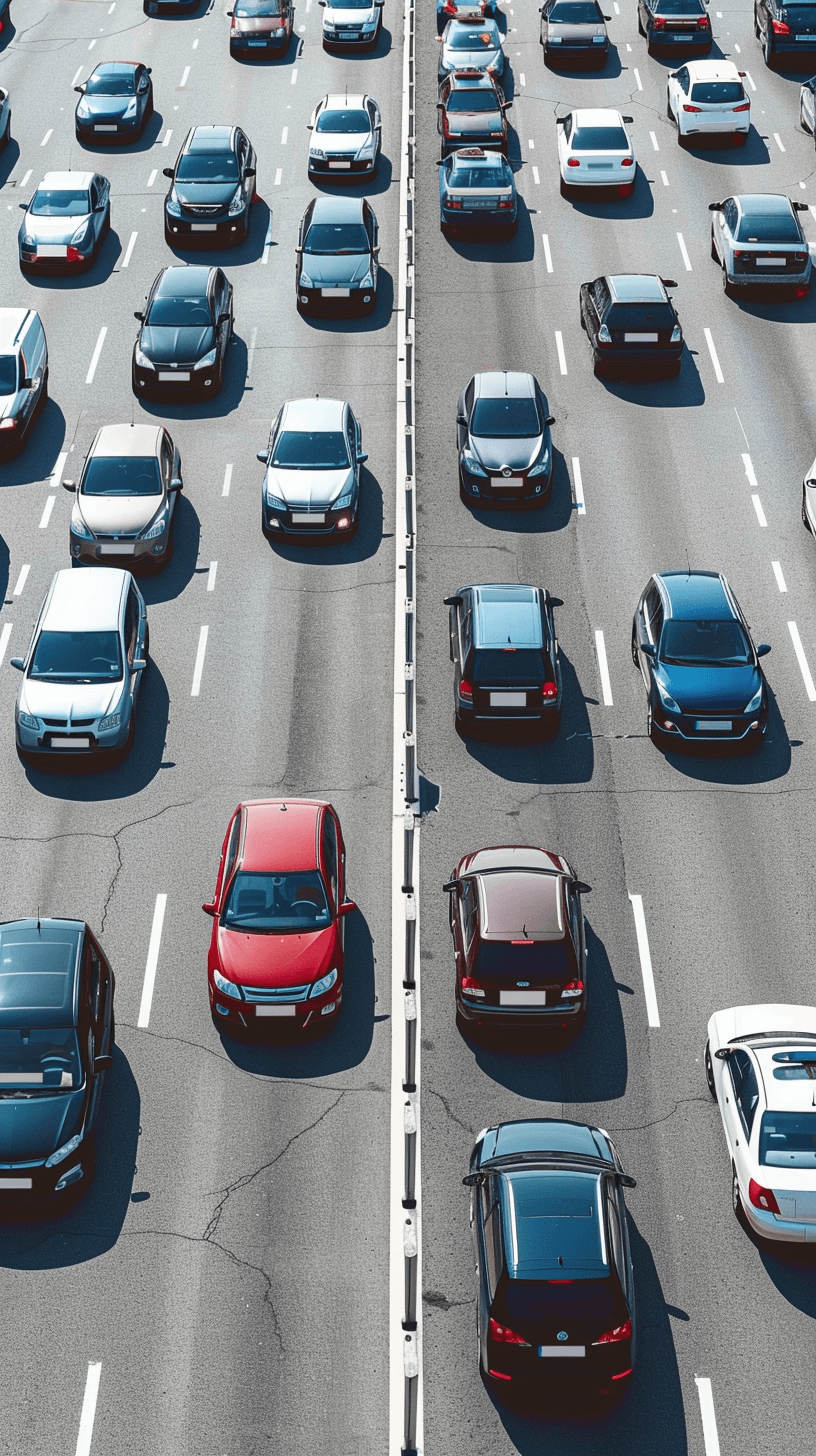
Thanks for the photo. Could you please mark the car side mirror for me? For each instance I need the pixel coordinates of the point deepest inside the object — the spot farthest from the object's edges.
(461, 419)
(223, 318)
(18, 662)
(669, 283)
(801, 207)
(80, 88)
(250, 171)
(715, 207)
(376, 250)
(362, 456)
(582, 887)
(763, 649)
(440, 161)
(451, 601)
(138, 664)
(450, 886)
(137, 314)
(627, 1181)
(347, 907)
(28, 383)
(473, 1180)
(209, 908)
(648, 650)
(102, 1064)
(722, 1054)
(262, 455)
(550, 420)
(23, 205)
(167, 171)
(554, 601)
(177, 483)
(310, 126)
(69, 485)
(440, 106)
(628, 119)
(506, 105)
(560, 121)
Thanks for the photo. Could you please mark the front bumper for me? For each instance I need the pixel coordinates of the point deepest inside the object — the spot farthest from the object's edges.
(24, 1184)
(199, 383)
(101, 130)
(202, 232)
(297, 1016)
(346, 41)
(129, 554)
(747, 729)
(279, 523)
(358, 300)
(534, 491)
(326, 167)
(38, 745)
(560, 1015)
(76, 258)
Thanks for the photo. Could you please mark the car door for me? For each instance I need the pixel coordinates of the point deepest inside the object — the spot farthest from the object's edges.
(464, 409)
(221, 306)
(592, 299)
(679, 83)
(545, 11)
(167, 461)
(487, 1248)
(305, 224)
(329, 861)
(106, 983)
(808, 112)
(725, 227)
(576, 927)
(229, 855)
(551, 643)
(563, 130)
(90, 1026)
(741, 1091)
(370, 223)
(376, 122)
(135, 624)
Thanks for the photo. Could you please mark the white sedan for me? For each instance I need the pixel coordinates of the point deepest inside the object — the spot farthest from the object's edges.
(707, 98)
(760, 1064)
(594, 151)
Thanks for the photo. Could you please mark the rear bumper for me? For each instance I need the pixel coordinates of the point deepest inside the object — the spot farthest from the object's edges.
(782, 1230)
(680, 40)
(557, 1016)
(274, 43)
(459, 219)
(601, 1368)
(772, 280)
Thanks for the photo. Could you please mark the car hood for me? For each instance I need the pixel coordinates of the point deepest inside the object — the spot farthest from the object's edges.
(68, 700)
(313, 488)
(52, 229)
(277, 960)
(128, 513)
(474, 123)
(101, 107)
(576, 32)
(213, 193)
(516, 454)
(33, 1128)
(715, 689)
(336, 270)
(339, 144)
(258, 24)
(466, 60)
(176, 346)
(335, 16)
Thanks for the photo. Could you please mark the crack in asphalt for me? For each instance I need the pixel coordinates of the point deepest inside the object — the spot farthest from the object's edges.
(666, 1117)
(437, 1300)
(466, 1127)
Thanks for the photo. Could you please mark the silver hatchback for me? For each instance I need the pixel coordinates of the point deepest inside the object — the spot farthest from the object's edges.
(126, 497)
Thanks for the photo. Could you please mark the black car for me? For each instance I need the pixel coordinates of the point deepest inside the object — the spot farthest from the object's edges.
(213, 188)
(261, 28)
(336, 256)
(186, 328)
(675, 25)
(116, 102)
(785, 30)
(56, 1043)
(519, 940)
(169, 7)
(632, 325)
(505, 656)
(556, 1299)
(503, 439)
(693, 648)
(574, 32)
(471, 110)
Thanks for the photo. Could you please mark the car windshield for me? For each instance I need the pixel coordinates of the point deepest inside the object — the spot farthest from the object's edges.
(116, 84)
(501, 419)
(718, 93)
(77, 657)
(37, 1059)
(311, 450)
(575, 12)
(8, 374)
(788, 1139)
(471, 101)
(329, 238)
(347, 123)
(462, 38)
(250, 8)
(762, 228)
(641, 317)
(464, 176)
(499, 666)
(539, 960)
(679, 7)
(179, 313)
(599, 139)
(125, 475)
(714, 644)
(60, 202)
(207, 167)
(289, 902)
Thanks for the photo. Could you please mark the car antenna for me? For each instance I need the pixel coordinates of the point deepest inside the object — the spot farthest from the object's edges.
(39, 927)
(524, 930)
(283, 808)
(688, 566)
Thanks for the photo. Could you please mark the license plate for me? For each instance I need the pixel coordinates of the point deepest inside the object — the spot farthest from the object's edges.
(804, 37)
(770, 262)
(522, 998)
(348, 35)
(568, 1352)
(336, 292)
(640, 338)
(337, 165)
(599, 166)
(70, 742)
(256, 42)
(274, 1011)
(713, 725)
(15, 1183)
(500, 482)
(118, 548)
(52, 250)
(203, 227)
(308, 518)
(480, 202)
(178, 375)
(508, 700)
(106, 128)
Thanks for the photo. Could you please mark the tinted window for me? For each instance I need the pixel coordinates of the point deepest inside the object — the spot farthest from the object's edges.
(720, 644)
(788, 1139)
(471, 101)
(8, 374)
(39, 1059)
(77, 657)
(258, 7)
(463, 176)
(207, 167)
(496, 419)
(35, 971)
(349, 122)
(600, 139)
(721, 92)
(290, 902)
(764, 229)
(463, 39)
(332, 238)
(575, 12)
(544, 960)
(179, 313)
(516, 665)
(641, 317)
(311, 450)
(60, 202)
(350, 4)
(539, 1301)
(110, 85)
(133, 475)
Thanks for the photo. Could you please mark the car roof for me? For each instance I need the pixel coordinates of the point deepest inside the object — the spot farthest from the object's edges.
(519, 903)
(469, 79)
(504, 383)
(763, 204)
(210, 139)
(553, 1220)
(181, 279)
(280, 834)
(515, 857)
(544, 1135)
(72, 180)
(39, 961)
(86, 601)
(112, 68)
(636, 288)
(696, 595)
(507, 616)
(338, 209)
(712, 71)
(313, 414)
(11, 325)
(127, 440)
(477, 157)
(597, 116)
(340, 100)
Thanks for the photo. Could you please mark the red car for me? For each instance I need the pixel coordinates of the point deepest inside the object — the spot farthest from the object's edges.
(279, 908)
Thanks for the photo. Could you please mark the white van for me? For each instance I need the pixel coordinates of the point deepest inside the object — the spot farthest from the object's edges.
(23, 375)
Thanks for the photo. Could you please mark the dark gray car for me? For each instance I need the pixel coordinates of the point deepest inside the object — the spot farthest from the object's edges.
(213, 188)
(758, 241)
(503, 439)
(336, 255)
(574, 31)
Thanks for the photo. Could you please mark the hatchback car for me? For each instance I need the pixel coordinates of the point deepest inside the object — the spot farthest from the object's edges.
(504, 651)
(758, 241)
(786, 30)
(23, 376)
(503, 439)
(555, 1306)
(213, 188)
(186, 327)
(632, 324)
(574, 32)
(808, 499)
(351, 24)
(83, 670)
(126, 497)
(707, 98)
(595, 152)
(463, 10)
(277, 947)
(56, 1045)
(693, 648)
(519, 939)
(675, 25)
(347, 136)
(475, 47)
(65, 223)
(312, 483)
(472, 112)
(477, 189)
(116, 102)
(261, 28)
(760, 1064)
(336, 256)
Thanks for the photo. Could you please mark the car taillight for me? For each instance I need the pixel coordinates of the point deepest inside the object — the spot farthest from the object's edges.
(697, 109)
(453, 202)
(492, 71)
(504, 1336)
(465, 688)
(702, 23)
(780, 28)
(800, 257)
(612, 1337)
(549, 690)
(739, 253)
(745, 107)
(470, 987)
(445, 124)
(623, 1374)
(627, 161)
(658, 23)
(449, 7)
(572, 990)
(762, 1197)
(573, 162)
(505, 203)
(74, 256)
(8, 424)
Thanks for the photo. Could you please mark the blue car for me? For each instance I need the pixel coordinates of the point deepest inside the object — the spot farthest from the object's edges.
(477, 189)
(701, 669)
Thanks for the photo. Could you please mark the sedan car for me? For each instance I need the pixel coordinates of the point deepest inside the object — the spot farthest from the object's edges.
(126, 497)
(595, 152)
(574, 31)
(336, 256)
(758, 241)
(83, 670)
(786, 30)
(351, 25)
(518, 938)
(347, 135)
(477, 189)
(675, 25)
(555, 1306)
(56, 1045)
(707, 98)
(631, 324)
(503, 440)
(463, 10)
(212, 188)
(5, 117)
(261, 28)
(472, 110)
(474, 47)
(311, 487)
(277, 947)
(693, 648)
(116, 102)
(23, 376)
(186, 326)
(760, 1064)
(809, 499)
(65, 223)
(506, 668)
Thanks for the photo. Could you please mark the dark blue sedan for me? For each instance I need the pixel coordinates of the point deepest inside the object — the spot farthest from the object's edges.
(115, 102)
(477, 189)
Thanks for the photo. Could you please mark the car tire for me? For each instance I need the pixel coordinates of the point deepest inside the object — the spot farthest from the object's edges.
(4, 140)
(709, 1072)
(641, 31)
(650, 727)
(715, 255)
(669, 112)
(756, 24)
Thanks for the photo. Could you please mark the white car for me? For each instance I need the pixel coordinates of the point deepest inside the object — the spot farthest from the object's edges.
(809, 499)
(5, 117)
(594, 150)
(347, 134)
(351, 25)
(707, 98)
(760, 1064)
(807, 105)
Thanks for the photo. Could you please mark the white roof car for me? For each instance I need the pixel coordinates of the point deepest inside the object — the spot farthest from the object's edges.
(760, 1066)
(346, 135)
(809, 499)
(594, 150)
(312, 483)
(707, 98)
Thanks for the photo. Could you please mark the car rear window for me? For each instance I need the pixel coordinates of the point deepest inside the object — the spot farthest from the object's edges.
(249, 8)
(499, 419)
(38, 1059)
(8, 374)
(720, 93)
(330, 239)
(282, 903)
(540, 1301)
(347, 123)
(128, 475)
(116, 84)
(799, 15)
(77, 657)
(599, 139)
(680, 7)
(311, 450)
(760, 228)
(543, 960)
(471, 101)
(575, 12)
(788, 1139)
(508, 665)
(712, 644)
(197, 166)
(462, 176)
(641, 317)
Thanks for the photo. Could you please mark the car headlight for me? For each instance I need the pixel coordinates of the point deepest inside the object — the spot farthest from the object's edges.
(78, 528)
(344, 501)
(208, 360)
(237, 204)
(324, 984)
(542, 465)
(142, 360)
(472, 464)
(368, 26)
(64, 1152)
(604, 336)
(367, 149)
(317, 152)
(113, 720)
(26, 240)
(158, 527)
(677, 334)
(227, 988)
(305, 281)
(130, 110)
(172, 203)
(755, 701)
(274, 502)
(368, 281)
(79, 235)
(83, 111)
(666, 698)
(26, 721)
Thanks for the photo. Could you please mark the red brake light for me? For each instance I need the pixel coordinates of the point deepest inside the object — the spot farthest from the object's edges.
(505, 202)
(453, 202)
(499, 1375)
(573, 162)
(623, 1374)
(693, 108)
(8, 424)
(780, 28)
(703, 22)
(627, 161)
(503, 1336)
(611, 1337)
(445, 125)
(746, 107)
(449, 7)
(550, 690)
(522, 942)
(471, 987)
(762, 1197)
(800, 257)
(658, 23)
(465, 687)
(560, 1281)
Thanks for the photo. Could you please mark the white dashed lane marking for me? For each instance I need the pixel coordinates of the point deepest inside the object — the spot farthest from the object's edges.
(749, 78)
(760, 514)
(749, 470)
(129, 250)
(579, 486)
(184, 75)
(86, 1419)
(199, 662)
(152, 961)
(654, 141)
(652, 1014)
(4, 639)
(284, 135)
(638, 82)
(95, 358)
(23, 577)
(664, 179)
(56, 475)
(779, 142)
(167, 136)
(47, 137)
(709, 1419)
(211, 576)
(46, 515)
(807, 678)
(227, 480)
(684, 252)
(151, 179)
(536, 177)
(547, 254)
(780, 580)
(718, 374)
(603, 669)
(562, 358)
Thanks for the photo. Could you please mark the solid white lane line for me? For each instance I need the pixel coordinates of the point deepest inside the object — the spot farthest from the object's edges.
(25, 178)
(151, 179)
(562, 358)
(86, 1420)
(737, 49)
(95, 357)
(152, 961)
(167, 136)
(684, 253)
(709, 1419)
(749, 469)
(251, 352)
(211, 576)
(636, 74)
(579, 486)
(777, 138)
(780, 580)
(536, 177)
(603, 669)
(195, 45)
(48, 136)
(628, 47)
(77, 76)
(129, 250)
(284, 135)
(278, 175)
(294, 74)
(718, 374)
(652, 1014)
(760, 514)
(227, 480)
(664, 179)
(199, 662)
(547, 254)
(58, 468)
(184, 75)
(4, 639)
(616, 7)
(749, 78)
(112, 8)
(22, 578)
(46, 515)
(810, 689)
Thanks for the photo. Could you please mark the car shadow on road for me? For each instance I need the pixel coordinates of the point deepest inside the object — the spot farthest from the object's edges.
(9, 157)
(711, 765)
(367, 323)
(341, 185)
(376, 52)
(5, 566)
(611, 68)
(261, 63)
(237, 256)
(792, 1268)
(483, 245)
(552, 515)
(721, 151)
(143, 143)
(103, 266)
(566, 759)
(331, 551)
(684, 392)
(165, 585)
(613, 207)
(765, 304)
(38, 456)
(225, 402)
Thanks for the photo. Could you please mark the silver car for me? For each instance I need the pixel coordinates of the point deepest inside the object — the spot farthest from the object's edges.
(126, 497)
(347, 136)
(809, 499)
(757, 240)
(83, 670)
(23, 376)
(312, 482)
(65, 222)
(471, 46)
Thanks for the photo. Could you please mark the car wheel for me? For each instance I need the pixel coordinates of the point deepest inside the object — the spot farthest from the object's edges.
(709, 1071)
(768, 49)
(650, 727)
(756, 25)
(715, 255)
(726, 284)
(669, 112)
(736, 1196)
(7, 133)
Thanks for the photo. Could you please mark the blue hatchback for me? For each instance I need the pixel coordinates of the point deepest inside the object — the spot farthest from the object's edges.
(477, 189)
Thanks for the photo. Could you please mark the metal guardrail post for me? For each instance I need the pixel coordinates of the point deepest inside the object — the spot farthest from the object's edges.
(410, 1249)
(410, 1365)
(409, 1079)
(409, 1122)
(410, 942)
